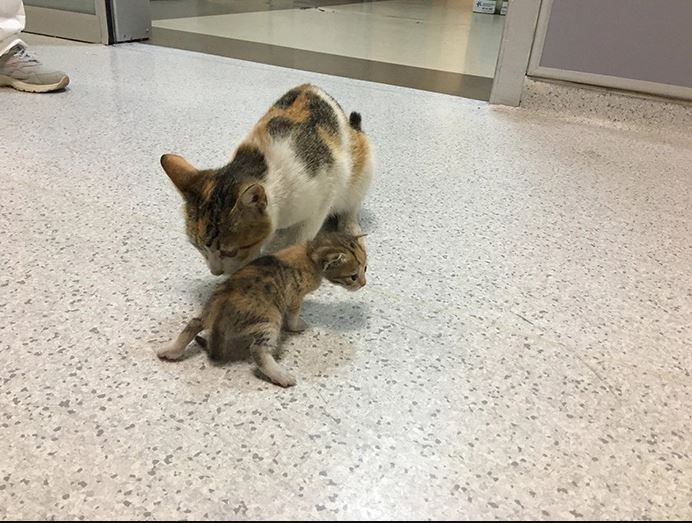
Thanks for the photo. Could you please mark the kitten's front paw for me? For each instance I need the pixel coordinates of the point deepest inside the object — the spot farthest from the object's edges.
(297, 325)
(170, 352)
(284, 379)
(279, 376)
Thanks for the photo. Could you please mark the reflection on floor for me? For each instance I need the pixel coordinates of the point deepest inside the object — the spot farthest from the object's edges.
(521, 350)
(440, 35)
(425, 39)
(164, 9)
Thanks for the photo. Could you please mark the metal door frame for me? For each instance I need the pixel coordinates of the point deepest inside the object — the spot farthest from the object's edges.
(515, 51)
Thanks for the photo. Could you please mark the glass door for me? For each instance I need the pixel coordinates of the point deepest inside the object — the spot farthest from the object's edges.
(449, 46)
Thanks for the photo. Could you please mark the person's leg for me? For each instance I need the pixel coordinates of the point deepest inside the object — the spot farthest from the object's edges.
(12, 20)
(18, 68)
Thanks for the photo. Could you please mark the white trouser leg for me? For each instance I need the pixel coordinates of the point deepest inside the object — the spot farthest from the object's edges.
(12, 20)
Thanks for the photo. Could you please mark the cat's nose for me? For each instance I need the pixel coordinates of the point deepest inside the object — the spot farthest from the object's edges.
(216, 271)
(361, 281)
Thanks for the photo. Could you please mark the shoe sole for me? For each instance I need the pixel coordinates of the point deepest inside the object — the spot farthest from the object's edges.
(6, 81)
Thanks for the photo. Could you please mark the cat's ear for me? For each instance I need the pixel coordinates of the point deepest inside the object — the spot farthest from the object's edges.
(333, 259)
(183, 175)
(254, 197)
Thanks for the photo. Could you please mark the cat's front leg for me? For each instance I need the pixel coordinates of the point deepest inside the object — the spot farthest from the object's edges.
(293, 322)
(269, 245)
(348, 223)
(280, 240)
(300, 232)
(308, 229)
(176, 349)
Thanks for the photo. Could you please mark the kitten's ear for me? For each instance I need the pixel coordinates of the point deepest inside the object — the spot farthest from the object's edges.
(357, 239)
(183, 175)
(333, 259)
(255, 197)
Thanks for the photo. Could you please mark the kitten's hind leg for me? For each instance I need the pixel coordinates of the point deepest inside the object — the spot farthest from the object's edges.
(262, 349)
(176, 349)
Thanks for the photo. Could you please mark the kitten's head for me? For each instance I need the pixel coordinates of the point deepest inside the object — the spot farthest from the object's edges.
(225, 212)
(342, 258)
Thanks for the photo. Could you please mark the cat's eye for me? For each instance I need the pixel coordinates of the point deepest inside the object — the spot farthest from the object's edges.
(365, 269)
(212, 242)
(229, 254)
(354, 277)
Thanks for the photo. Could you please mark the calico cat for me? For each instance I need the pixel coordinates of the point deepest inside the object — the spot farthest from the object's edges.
(247, 311)
(303, 162)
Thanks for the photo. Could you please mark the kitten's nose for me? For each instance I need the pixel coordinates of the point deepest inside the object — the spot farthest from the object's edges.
(216, 272)
(361, 281)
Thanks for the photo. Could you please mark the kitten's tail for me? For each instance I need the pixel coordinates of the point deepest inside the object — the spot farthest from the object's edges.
(202, 342)
(221, 348)
(216, 346)
(354, 121)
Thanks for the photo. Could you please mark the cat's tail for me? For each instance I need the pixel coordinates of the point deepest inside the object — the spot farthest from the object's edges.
(354, 121)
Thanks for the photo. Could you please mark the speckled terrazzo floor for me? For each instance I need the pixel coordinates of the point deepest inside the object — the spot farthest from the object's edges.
(522, 349)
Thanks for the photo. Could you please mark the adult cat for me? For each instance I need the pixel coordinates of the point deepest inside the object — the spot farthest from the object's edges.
(303, 162)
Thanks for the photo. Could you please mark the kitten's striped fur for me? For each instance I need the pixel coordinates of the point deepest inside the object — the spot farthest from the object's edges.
(302, 162)
(247, 311)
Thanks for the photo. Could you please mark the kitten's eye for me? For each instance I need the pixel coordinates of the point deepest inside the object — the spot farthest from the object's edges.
(354, 277)
(229, 254)
(365, 269)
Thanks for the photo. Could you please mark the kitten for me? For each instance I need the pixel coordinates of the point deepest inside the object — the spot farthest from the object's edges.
(247, 311)
(302, 162)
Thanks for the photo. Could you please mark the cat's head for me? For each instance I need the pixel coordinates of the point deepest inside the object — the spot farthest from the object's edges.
(342, 258)
(225, 212)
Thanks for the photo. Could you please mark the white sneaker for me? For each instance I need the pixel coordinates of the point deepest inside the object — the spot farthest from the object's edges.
(20, 70)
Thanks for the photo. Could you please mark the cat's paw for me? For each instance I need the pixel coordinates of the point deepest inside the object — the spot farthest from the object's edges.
(170, 352)
(284, 379)
(297, 325)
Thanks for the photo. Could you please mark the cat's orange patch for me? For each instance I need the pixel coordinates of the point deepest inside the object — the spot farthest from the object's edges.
(359, 154)
(296, 113)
